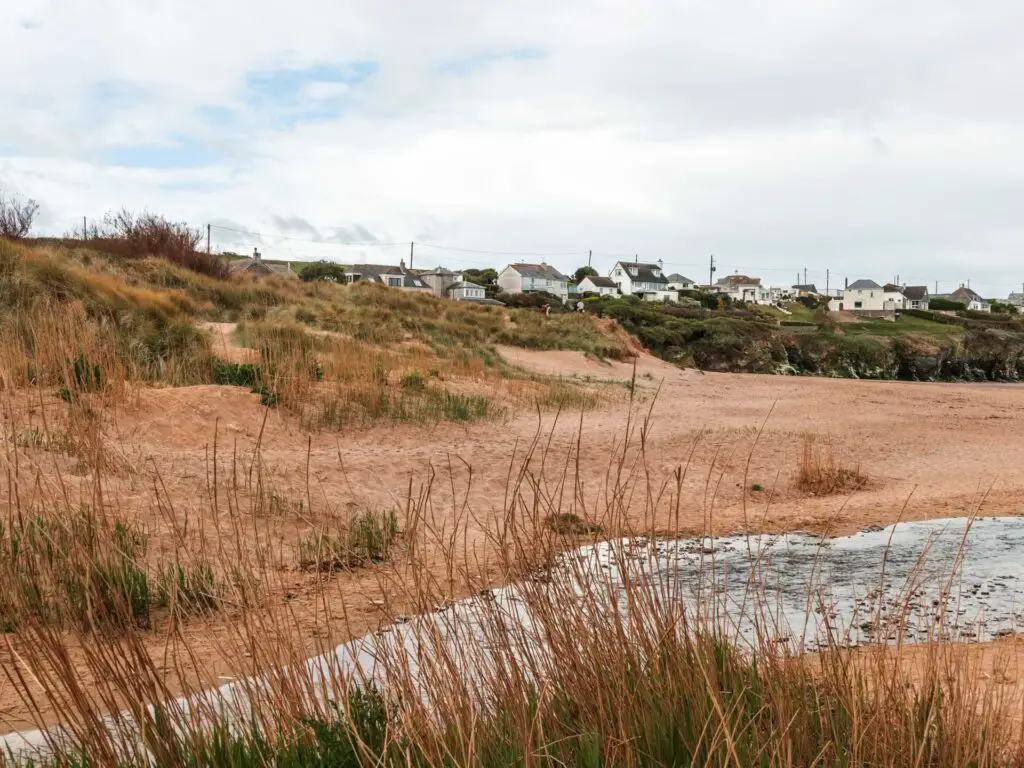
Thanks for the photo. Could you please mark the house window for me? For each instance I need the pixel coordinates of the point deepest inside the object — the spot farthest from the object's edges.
(858, 305)
(395, 282)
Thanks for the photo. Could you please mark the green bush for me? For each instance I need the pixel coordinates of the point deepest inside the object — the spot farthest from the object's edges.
(323, 270)
(946, 305)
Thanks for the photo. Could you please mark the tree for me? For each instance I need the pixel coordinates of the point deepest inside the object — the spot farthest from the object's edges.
(323, 270)
(488, 278)
(17, 216)
(585, 272)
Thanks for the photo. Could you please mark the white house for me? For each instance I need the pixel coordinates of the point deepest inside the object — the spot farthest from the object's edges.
(532, 278)
(677, 282)
(466, 291)
(648, 281)
(602, 286)
(916, 296)
(869, 296)
(744, 289)
(973, 300)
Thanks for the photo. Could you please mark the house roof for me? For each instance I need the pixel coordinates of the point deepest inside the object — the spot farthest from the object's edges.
(463, 284)
(738, 280)
(259, 268)
(675, 277)
(442, 271)
(378, 273)
(600, 282)
(545, 271)
(645, 273)
(863, 285)
(916, 292)
(964, 293)
(807, 288)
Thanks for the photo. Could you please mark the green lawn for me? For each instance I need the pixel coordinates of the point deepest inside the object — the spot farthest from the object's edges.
(903, 325)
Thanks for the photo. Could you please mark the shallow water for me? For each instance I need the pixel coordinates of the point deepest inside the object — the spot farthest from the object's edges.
(949, 578)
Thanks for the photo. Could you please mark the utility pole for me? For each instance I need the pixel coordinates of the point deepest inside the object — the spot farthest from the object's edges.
(826, 281)
(412, 247)
(590, 254)
(207, 238)
(936, 287)
(711, 272)
(805, 275)
(85, 229)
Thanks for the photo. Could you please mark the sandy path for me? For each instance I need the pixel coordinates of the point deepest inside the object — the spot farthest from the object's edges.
(929, 450)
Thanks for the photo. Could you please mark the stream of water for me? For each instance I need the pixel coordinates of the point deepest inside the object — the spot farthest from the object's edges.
(951, 578)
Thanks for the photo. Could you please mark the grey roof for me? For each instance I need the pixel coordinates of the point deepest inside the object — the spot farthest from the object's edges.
(463, 284)
(916, 292)
(601, 282)
(738, 280)
(807, 288)
(437, 271)
(675, 277)
(545, 271)
(966, 294)
(645, 272)
(378, 272)
(259, 268)
(863, 285)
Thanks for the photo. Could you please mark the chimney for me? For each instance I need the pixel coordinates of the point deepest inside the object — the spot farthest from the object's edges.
(401, 264)
(256, 255)
(661, 264)
(846, 283)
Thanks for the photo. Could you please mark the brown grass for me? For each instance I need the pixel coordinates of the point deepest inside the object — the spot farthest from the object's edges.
(597, 677)
(819, 472)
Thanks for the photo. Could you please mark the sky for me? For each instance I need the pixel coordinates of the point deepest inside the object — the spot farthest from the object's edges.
(871, 139)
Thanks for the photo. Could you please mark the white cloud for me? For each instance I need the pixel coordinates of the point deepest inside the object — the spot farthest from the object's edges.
(867, 138)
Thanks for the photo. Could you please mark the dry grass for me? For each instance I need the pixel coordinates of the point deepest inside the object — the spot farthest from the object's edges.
(819, 472)
(600, 675)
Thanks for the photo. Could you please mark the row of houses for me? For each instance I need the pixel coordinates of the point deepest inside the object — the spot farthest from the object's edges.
(635, 278)
(629, 278)
(869, 296)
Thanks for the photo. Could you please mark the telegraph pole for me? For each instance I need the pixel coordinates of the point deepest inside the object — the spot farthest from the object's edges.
(805, 275)
(207, 238)
(85, 229)
(590, 255)
(412, 247)
(826, 281)
(711, 272)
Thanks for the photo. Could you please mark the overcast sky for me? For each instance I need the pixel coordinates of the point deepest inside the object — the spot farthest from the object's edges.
(870, 138)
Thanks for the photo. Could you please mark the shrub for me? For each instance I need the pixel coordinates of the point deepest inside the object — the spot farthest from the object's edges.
(17, 215)
(138, 235)
(819, 472)
(367, 538)
(947, 305)
(323, 270)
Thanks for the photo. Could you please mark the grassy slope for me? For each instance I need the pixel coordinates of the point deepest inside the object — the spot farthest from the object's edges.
(139, 320)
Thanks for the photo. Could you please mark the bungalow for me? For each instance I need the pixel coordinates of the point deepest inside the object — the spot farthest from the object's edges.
(258, 267)
(467, 291)
(677, 282)
(533, 278)
(635, 278)
(808, 289)
(386, 274)
(744, 289)
(602, 286)
(916, 296)
(971, 298)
